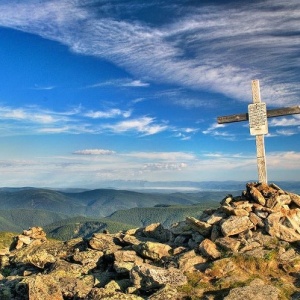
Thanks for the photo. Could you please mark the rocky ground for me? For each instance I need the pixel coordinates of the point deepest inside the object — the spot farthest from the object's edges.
(245, 249)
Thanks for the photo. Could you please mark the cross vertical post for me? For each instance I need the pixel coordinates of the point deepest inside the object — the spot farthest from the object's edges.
(260, 143)
(258, 122)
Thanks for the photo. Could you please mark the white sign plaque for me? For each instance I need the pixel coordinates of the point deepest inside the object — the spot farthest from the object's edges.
(258, 118)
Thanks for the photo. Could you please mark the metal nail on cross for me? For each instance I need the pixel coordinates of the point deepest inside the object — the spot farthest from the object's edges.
(257, 116)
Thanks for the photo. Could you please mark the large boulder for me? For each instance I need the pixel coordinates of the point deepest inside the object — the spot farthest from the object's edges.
(257, 290)
(157, 232)
(42, 287)
(235, 225)
(148, 277)
(209, 249)
(151, 250)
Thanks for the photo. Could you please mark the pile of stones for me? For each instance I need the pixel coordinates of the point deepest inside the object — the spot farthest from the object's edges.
(153, 262)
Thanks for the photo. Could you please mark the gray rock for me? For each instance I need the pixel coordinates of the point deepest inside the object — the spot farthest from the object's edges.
(235, 225)
(152, 250)
(103, 242)
(214, 218)
(42, 287)
(257, 196)
(276, 229)
(295, 198)
(125, 261)
(88, 259)
(202, 227)
(147, 277)
(254, 292)
(158, 232)
(209, 249)
(191, 262)
(228, 243)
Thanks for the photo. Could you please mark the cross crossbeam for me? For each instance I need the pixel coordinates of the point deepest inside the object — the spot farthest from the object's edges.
(271, 113)
(257, 116)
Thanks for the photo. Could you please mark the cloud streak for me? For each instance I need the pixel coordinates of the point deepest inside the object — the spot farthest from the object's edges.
(203, 49)
(120, 83)
(94, 152)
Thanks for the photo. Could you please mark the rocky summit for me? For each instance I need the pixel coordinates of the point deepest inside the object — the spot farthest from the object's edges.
(245, 249)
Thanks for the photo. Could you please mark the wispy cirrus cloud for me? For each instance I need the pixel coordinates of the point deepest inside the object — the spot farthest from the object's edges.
(36, 120)
(121, 83)
(30, 115)
(213, 130)
(185, 133)
(44, 87)
(203, 48)
(136, 83)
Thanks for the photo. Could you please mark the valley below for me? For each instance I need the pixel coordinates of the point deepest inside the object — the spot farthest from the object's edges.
(71, 213)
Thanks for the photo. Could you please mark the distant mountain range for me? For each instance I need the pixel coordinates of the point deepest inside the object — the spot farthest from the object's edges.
(94, 203)
(184, 186)
(71, 213)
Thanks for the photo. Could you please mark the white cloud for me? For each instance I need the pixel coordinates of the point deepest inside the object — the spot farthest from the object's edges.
(287, 132)
(213, 127)
(53, 130)
(35, 120)
(30, 115)
(136, 83)
(190, 103)
(284, 121)
(143, 125)
(44, 88)
(112, 113)
(164, 166)
(121, 82)
(94, 152)
(213, 131)
(289, 160)
(162, 156)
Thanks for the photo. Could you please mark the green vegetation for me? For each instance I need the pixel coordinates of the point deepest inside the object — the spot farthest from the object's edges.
(19, 219)
(217, 283)
(82, 227)
(84, 211)
(123, 220)
(166, 215)
(6, 239)
(96, 203)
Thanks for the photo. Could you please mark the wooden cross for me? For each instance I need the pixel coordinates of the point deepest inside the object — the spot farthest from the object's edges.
(257, 116)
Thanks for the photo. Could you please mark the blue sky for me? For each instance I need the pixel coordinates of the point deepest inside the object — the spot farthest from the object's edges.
(131, 90)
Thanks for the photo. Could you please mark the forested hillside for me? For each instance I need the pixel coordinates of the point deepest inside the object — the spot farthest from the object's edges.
(20, 219)
(95, 203)
(166, 215)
